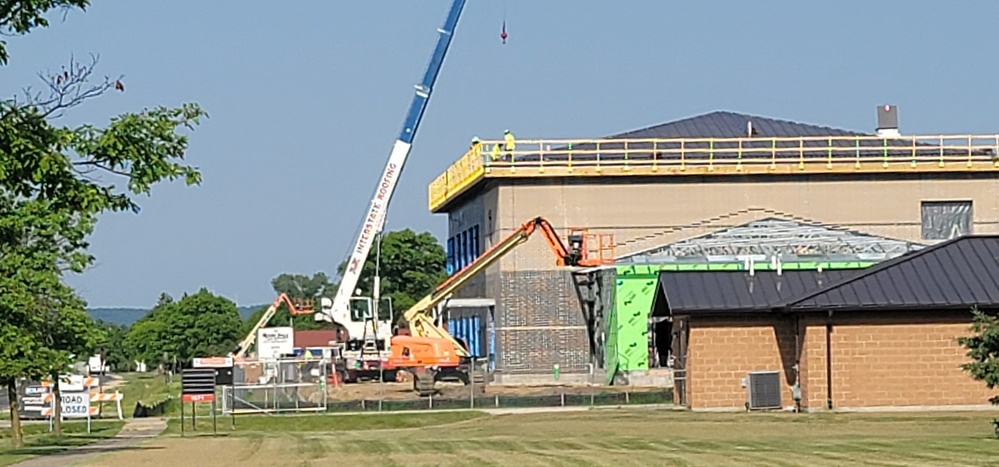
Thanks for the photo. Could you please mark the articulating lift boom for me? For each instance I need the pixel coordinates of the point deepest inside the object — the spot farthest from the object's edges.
(430, 350)
(295, 307)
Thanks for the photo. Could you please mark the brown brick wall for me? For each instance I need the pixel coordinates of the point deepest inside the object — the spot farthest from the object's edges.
(904, 359)
(878, 361)
(813, 364)
(721, 352)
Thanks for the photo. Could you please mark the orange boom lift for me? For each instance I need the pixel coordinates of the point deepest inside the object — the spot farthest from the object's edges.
(430, 353)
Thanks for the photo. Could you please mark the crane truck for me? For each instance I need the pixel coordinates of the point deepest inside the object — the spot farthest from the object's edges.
(365, 331)
(430, 353)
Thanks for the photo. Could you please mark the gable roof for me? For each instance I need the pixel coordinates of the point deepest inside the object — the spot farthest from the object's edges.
(314, 338)
(736, 291)
(725, 124)
(959, 273)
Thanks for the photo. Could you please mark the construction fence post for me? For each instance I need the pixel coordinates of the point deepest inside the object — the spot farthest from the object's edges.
(593, 388)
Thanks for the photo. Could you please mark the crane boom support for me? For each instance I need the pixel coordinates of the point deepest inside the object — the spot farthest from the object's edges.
(375, 218)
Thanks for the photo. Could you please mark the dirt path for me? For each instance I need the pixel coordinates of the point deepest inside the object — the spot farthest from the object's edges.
(135, 431)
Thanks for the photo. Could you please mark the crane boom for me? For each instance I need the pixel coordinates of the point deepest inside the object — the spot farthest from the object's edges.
(374, 220)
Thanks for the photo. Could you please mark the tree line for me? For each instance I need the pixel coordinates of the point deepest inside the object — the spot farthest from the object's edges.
(56, 180)
(204, 324)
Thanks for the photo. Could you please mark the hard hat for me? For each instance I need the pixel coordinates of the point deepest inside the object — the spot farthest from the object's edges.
(506, 131)
(475, 139)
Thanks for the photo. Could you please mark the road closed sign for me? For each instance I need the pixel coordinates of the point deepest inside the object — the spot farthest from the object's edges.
(76, 404)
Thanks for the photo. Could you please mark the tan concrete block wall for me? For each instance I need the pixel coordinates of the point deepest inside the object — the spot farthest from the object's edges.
(647, 214)
(880, 363)
(910, 359)
(721, 352)
(814, 391)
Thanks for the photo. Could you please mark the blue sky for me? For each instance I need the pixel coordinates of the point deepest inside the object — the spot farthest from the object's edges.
(307, 98)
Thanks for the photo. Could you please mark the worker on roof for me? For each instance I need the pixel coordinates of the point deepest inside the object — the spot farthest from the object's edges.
(475, 147)
(509, 144)
(495, 155)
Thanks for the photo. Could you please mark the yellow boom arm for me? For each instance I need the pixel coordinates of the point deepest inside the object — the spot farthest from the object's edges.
(421, 323)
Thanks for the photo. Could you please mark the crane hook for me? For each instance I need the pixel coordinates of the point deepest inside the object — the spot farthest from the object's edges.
(503, 34)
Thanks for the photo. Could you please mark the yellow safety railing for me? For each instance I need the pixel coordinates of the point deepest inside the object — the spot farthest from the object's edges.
(720, 156)
(456, 178)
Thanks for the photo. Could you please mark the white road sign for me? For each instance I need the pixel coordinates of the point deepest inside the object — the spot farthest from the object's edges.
(275, 342)
(76, 404)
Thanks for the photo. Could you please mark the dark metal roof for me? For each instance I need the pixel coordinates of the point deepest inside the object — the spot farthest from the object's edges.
(731, 291)
(724, 124)
(959, 273)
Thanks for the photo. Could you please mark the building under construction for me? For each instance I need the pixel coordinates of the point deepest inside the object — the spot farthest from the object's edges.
(720, 191)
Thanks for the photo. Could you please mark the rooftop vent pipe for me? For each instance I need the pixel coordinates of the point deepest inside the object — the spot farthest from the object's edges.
(888, 121)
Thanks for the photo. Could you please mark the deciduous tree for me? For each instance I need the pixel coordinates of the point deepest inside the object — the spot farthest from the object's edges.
(111, 345)
(983, 349)
(54, 181)
(198, 325)
(411, 266)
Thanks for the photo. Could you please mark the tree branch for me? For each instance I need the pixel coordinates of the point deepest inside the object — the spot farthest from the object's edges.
(94, 165)
(69, 87)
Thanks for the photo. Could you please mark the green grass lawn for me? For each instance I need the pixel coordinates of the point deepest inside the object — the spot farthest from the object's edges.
(253, 425)
(146, 388)
(39, 442)
(610, 437)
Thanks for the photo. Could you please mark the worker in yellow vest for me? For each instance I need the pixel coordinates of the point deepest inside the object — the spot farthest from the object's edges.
(509, 144)
(476, 147)
(495, 155)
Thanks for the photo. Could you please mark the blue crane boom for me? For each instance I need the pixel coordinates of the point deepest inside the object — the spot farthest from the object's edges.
(374, 220)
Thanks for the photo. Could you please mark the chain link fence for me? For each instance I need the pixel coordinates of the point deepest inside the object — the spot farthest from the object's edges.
(596, 397)
(306, 385)
(269, 386)
(479, 395)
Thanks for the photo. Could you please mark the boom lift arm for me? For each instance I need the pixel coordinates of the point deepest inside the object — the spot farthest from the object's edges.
(375, 218)
(300, 308)
(421, 323)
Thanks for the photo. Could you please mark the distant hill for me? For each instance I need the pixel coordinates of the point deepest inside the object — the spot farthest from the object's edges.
(127, 316)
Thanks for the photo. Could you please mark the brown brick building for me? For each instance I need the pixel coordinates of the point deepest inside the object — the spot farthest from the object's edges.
(880, 337)
(683, 179)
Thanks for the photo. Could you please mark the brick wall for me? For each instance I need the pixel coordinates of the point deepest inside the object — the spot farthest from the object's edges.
(904, 359)
(539, 323)
(720, 352)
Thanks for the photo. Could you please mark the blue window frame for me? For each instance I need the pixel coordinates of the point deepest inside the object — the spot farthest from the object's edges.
(476, 245)
(459, 252)
(468, 247)
(450, 256)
